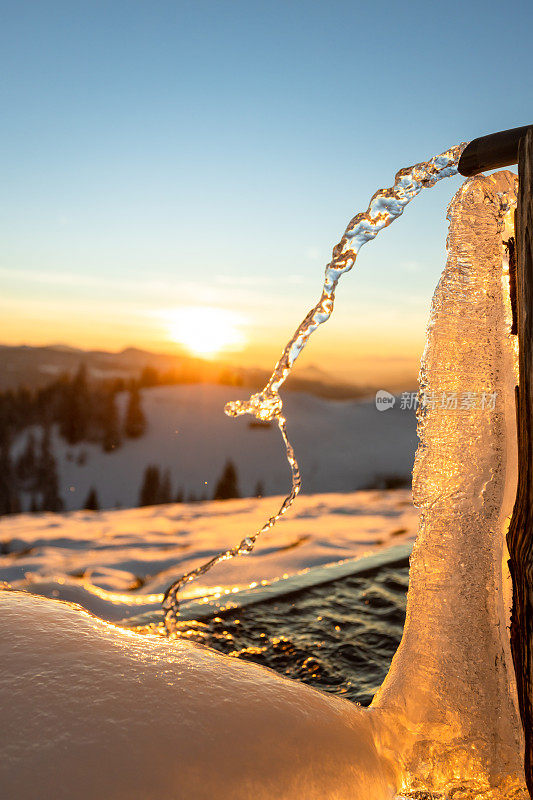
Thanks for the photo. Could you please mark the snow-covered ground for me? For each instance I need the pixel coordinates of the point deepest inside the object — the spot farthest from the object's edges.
(341, 446)
(118, 563)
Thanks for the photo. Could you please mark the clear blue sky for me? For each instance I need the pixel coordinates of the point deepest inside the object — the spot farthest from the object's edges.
(161, 154)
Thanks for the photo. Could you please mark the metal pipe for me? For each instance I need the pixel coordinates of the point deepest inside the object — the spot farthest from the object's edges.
(492, 151)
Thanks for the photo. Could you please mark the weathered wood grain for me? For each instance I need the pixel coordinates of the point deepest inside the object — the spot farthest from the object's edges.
(520, 535)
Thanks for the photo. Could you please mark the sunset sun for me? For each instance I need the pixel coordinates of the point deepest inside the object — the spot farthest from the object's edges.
(203, 330)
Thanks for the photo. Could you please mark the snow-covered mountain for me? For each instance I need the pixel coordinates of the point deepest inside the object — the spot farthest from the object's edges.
(341, 446)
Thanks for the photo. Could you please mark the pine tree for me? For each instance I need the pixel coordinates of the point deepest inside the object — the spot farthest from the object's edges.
(179, 496)
(47, 479)
(27, 463)
(135, 422)
(9, 500)
(259, 490)
(149, 377)
(165, 489)
(227, 486)
(76, 408)
(149, 492)
(91, 502)
(110, 424)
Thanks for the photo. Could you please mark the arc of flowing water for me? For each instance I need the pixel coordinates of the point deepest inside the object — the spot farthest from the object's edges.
(385, 206)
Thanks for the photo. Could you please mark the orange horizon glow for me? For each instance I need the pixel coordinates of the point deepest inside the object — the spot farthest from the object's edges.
(391, 356)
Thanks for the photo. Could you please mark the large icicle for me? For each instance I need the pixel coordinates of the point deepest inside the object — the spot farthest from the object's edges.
(451, 684)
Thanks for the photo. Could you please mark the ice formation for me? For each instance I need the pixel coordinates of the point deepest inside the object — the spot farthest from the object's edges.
(451, 683)
(385, 206)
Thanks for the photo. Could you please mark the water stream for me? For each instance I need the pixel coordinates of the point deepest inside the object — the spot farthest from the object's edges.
(385, 206)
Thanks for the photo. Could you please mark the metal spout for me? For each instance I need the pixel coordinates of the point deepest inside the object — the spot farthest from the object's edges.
(491, 152)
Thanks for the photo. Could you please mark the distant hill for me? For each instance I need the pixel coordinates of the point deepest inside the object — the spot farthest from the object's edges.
(35, 367)
(341, 446)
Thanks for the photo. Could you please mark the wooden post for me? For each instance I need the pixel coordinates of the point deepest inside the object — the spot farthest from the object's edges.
(520, 535)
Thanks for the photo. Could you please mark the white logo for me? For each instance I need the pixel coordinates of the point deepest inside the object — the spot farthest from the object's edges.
(384, 400)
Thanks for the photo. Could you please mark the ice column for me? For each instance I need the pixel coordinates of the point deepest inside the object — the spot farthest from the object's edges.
(451, 684)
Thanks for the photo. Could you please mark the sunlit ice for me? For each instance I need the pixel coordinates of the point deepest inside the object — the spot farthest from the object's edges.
(204, 330)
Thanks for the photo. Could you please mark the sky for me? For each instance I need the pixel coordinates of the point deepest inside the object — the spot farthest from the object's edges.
(168, 156)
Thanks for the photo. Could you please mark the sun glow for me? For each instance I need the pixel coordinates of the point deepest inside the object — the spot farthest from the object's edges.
(205, 331)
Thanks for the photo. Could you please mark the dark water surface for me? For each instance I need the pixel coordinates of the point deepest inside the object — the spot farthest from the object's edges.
(339, 637)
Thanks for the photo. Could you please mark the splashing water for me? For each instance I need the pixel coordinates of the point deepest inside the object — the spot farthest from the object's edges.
(385, 206)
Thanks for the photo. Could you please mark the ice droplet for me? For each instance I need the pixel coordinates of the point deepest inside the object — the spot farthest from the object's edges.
(246, 546)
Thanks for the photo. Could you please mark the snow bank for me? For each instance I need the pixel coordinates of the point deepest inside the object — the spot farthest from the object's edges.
(118, 563)
(89, 710)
